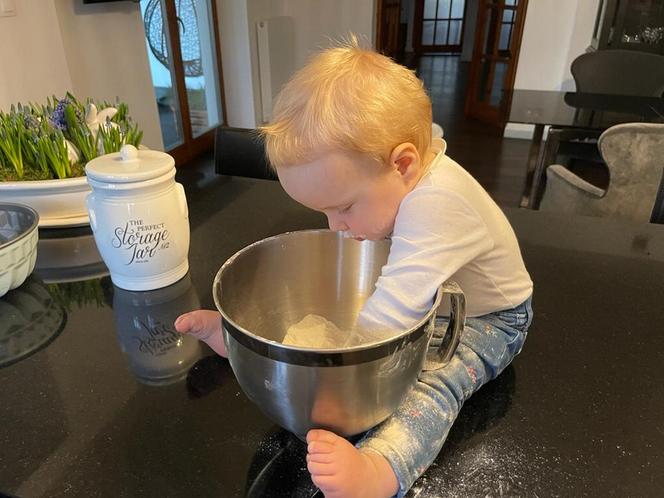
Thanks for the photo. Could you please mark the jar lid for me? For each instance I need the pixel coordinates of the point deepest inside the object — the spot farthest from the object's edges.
(129, 165)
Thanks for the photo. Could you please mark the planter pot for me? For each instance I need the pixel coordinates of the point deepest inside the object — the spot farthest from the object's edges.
(59, 202)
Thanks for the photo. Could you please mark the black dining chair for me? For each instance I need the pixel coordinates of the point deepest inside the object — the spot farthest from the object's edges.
(610, 72)
(619, 72)
(241, 152)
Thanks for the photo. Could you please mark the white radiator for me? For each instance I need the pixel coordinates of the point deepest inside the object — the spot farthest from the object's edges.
(275, 58)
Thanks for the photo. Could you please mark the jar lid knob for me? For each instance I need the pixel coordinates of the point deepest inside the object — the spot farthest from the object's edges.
(129, 153)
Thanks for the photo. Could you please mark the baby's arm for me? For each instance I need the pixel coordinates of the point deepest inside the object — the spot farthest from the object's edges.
(205, 325)
(435, 234)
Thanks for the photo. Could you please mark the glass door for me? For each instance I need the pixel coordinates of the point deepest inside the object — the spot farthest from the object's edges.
(439, 25)
(183, 52)
(495, 55)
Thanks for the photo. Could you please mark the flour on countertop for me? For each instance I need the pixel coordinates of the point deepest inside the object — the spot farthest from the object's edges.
(493, 468)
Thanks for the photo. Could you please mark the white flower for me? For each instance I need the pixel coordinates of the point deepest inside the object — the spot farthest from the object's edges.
(94, 119)
(72, 152)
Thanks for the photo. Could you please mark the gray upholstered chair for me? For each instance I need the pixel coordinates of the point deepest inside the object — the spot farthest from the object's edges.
(620, 72)
(634, 154)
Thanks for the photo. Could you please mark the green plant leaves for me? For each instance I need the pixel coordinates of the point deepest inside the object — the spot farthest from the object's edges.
(34, 138)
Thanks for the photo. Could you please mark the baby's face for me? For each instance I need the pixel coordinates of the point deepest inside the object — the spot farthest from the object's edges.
(355, 193)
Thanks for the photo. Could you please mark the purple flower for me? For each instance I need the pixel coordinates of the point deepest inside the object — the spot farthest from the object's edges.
(57, 118)
(30, 121)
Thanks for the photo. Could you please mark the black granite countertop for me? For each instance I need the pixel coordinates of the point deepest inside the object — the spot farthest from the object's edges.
(93, 405)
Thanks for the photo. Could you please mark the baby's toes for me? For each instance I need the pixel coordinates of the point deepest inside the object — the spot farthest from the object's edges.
(319, 468)
(322, 436)
(320, 447)
(321, 457)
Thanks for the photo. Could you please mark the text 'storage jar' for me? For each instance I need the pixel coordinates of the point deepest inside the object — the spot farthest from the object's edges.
(139, 217)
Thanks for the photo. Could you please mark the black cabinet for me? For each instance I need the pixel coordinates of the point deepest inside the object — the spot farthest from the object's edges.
(630, 24)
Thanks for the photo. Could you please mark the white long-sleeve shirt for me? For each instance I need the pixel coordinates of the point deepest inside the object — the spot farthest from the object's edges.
(447, 228)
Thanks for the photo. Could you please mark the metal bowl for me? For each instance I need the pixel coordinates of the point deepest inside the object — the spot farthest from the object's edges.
(18, 244)
(269, 285)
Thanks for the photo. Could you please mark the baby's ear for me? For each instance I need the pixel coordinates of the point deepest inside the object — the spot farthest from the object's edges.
(406, 160)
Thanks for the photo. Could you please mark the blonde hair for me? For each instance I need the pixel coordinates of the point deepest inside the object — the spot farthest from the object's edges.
(348, 99)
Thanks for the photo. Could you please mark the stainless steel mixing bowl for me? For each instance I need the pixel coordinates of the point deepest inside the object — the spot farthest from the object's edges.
(272, 284)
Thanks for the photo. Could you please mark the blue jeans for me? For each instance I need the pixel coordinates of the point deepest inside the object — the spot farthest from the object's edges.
(413, 435)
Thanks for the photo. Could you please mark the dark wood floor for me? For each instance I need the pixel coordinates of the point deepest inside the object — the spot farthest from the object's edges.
(499, 164)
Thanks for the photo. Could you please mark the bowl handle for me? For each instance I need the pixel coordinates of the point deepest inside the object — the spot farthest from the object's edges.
(437, 359)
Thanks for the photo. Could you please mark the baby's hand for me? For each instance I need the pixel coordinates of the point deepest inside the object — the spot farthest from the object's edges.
(205, 325)
(202, 324)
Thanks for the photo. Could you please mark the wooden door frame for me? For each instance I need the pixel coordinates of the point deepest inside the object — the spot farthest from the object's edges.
(192, 146)
(498, 116)
(417, 32)
(511, 73)
(378, 27)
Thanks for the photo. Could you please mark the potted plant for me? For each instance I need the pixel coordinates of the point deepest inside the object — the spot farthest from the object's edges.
(44, 149)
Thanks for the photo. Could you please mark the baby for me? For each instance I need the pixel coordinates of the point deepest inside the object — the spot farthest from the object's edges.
(352, 138)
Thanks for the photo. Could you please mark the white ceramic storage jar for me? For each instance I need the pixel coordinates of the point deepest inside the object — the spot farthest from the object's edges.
(139, 217)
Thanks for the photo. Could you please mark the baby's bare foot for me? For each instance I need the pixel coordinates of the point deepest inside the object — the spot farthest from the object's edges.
(342, 471)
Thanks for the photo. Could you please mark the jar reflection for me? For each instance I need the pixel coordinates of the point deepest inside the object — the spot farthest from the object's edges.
(156, 353)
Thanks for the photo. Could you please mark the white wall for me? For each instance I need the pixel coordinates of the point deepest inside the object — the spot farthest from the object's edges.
(545, 44)
(316, 24)
(107, 58)
(54, 46)
(584, 23)
(236, 63)
(257, 10)
(555, 33)
(32, 57)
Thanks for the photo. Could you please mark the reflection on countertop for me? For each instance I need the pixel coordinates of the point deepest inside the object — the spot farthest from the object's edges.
(31, 318)
(156, 353)
(68, 255)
